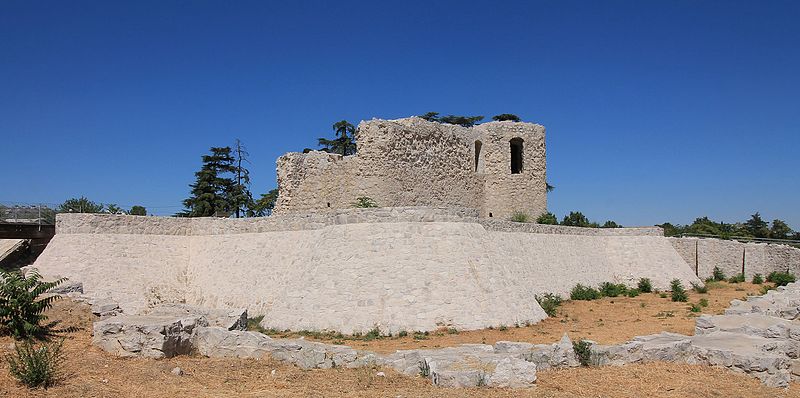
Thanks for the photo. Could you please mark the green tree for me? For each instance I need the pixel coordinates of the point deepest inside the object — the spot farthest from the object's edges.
(80, 205)
(548, 187)
(431, 116)
(611, 224)
(344, 143)
(240, 196)
(756, 226)
(112, 208)
(138, 211)
(506, 117)
(465, 121)
(780, 230)
(211, 192)
(576, 219)
(264, 205)
(547, 218)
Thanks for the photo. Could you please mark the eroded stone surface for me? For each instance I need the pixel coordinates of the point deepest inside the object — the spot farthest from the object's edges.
(146, 336)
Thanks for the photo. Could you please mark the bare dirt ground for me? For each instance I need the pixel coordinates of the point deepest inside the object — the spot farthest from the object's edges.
(90, 372)
(605, 321)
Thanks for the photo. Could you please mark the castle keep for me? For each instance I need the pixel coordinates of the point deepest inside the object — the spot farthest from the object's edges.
(497, 168)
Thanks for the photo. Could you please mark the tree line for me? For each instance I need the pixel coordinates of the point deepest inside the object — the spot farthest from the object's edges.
(222, 187)
(73, 205)
(754, 227)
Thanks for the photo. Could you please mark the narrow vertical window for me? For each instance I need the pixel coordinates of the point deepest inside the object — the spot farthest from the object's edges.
(478, 159)
(516, 155)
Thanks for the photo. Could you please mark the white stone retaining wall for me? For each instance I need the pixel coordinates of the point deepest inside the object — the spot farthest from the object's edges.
(399, 269)
(703, 254)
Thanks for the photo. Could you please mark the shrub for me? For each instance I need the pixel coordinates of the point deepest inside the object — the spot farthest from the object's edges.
(424, 368)
(547, 218)
(703, 302)
(765, 289)
(519, 216)
(738, 278)
(583, 351)
(633, 292)
(21, 307)
(758, 279)
(699, 288)
(365, 202)
(36, 365)
(549, 303)
(645, 286)
(678, 292)
(373, 334)
(718, 275)
(780, 278)
(254, 325)
(402, 333)
(609, 289)
(694, 308)
(580, 292)
(662, 295)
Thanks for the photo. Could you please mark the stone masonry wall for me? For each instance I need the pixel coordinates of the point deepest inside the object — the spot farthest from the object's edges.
(136, 225)
(703, 254)
(400, 268)
(412, 162)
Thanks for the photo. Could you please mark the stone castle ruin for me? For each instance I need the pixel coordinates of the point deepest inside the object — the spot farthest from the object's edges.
(497, 168)
(440, 252)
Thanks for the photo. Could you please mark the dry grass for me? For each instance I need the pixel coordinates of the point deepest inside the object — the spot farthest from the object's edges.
(606, 321)
(93, 373)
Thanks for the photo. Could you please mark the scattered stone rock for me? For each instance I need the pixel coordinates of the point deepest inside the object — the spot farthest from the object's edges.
(177, 371)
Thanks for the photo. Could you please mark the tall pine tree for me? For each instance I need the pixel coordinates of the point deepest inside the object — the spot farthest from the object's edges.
(212, 191)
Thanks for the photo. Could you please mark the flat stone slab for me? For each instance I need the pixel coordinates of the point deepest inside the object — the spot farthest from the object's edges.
(467, 365)
(760, 357)
(749, 324)
(231, 319)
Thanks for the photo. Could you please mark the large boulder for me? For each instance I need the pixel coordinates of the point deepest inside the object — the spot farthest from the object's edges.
(146, 335)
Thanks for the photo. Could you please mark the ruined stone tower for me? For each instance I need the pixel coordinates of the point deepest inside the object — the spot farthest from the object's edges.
(496, 167)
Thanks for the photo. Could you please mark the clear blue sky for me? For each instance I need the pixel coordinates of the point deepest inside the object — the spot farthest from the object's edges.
(655, 111)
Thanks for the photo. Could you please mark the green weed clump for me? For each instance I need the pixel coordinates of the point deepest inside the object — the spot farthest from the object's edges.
(633, 292)
(645, 285)
(703, 302)
(781, 278)
(519, 216)
(694, 308)
(699, 288)
(678, 292)
(36, 364)
(609, 289)
(738, 278)
(583, 351)
(758, 279)
(549, 303)
(581, 292)
(718, 275)
(365, 202)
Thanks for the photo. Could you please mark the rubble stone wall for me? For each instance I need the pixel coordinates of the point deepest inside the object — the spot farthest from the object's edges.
(703, 254)
(413, 162)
